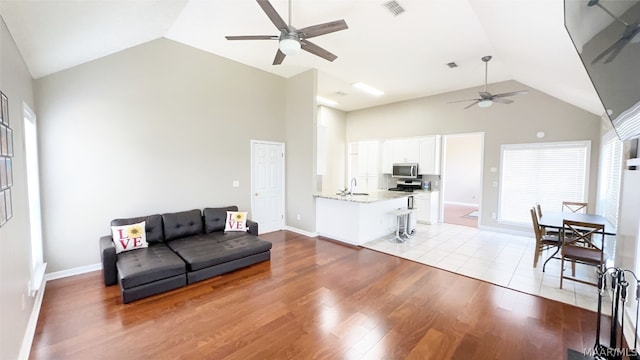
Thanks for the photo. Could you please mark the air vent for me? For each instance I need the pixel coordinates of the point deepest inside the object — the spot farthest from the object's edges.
(452, 64)
(394, 7)
(341, 93)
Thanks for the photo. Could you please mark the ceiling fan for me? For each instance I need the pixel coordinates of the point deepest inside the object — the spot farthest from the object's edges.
(486, 98)
(291, 40)
(629, 35)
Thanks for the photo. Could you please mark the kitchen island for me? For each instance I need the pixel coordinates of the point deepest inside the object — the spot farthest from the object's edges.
(357, 219)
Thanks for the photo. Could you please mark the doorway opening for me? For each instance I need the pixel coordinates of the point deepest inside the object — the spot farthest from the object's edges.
(462, 157)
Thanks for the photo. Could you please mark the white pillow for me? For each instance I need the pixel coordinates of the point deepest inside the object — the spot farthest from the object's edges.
(236, 221)
(129, 237)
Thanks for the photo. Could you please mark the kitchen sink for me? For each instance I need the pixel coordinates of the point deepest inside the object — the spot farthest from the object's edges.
(360, 193)
(346, 193)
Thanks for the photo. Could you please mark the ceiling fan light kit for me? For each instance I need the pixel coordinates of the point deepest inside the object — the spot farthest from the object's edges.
(485, 103)
(289, 44)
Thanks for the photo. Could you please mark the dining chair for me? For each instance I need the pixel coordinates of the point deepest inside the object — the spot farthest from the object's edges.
(543, 241)
(582, 243)
(574, 207)
(545, 230)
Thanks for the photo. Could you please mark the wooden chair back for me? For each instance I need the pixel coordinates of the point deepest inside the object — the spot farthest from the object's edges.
(574, 207)
(583, 243)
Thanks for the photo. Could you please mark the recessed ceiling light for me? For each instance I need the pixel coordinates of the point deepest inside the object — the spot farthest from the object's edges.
(325, 101)
(368, 89)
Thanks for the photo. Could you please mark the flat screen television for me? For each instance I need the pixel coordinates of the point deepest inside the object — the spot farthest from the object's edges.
(606, 34)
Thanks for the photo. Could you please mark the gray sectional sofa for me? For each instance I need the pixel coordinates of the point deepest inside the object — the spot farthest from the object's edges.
(184, 247)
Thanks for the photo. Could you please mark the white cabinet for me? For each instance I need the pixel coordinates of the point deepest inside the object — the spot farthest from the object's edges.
(399, 151)
(405, 150)
(429, 155)
(427, 204)
(363, 165)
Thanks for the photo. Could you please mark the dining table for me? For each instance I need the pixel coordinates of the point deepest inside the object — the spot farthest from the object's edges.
(554, 220)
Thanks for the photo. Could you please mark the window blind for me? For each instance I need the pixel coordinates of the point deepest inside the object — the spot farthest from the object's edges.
(544, 173)
(610, 173)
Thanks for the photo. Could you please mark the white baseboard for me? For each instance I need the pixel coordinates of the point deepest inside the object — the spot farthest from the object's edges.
(301, 232)
(506, 231)
(71, 272)
(27, 340)
(460, 203)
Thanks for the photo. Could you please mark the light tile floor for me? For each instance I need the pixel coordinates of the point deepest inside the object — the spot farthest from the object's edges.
(499, 258)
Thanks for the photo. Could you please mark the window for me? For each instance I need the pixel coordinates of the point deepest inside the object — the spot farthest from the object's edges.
(544, 173)
(33, 193)
(610, 172)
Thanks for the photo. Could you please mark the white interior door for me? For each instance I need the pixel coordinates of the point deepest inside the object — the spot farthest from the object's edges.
(267, 185)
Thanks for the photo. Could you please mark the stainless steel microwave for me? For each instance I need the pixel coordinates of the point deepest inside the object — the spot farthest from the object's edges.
(405, 170)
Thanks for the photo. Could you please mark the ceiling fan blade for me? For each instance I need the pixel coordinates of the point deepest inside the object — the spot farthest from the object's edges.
(252, 37)
(321, 29)
(279, 58)
(317, 50)
(501, 100)
(473, 103)
(273, 15)
(457, 101)
(521, 92)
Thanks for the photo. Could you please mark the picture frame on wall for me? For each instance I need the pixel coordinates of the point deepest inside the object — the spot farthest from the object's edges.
(8, 204)
(3, 208)
(9, 141)
(3, 176)
(9, 170)
(4, 150)
(5, 108)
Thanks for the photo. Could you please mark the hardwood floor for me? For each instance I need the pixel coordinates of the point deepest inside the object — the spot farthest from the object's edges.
(314, 299)
(455, 214)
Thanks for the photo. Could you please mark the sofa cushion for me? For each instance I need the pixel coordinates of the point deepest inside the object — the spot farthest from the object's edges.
(182, 224)
(152, 226)
(215, 218)
(129, 237)
(212, 249)
(142, 266)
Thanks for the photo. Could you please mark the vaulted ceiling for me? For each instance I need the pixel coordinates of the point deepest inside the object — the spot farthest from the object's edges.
(405, 55)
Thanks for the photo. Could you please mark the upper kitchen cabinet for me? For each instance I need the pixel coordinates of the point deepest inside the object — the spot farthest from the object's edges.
(429, 157)
(399, 151)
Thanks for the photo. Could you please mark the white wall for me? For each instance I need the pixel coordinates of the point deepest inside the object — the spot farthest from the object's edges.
(502, 124)
(463, 169)
(15, 246)
(159, 127)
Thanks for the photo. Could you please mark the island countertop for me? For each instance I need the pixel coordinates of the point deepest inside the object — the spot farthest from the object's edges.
(380, 195)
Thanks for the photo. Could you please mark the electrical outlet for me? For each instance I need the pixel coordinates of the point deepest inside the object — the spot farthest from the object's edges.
(298, 216)
(235, 183)
(494, 216)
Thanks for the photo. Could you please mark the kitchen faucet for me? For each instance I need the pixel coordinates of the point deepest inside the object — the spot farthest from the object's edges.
(353, 184)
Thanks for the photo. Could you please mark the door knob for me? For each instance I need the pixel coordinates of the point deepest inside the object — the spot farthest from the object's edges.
(256, 194)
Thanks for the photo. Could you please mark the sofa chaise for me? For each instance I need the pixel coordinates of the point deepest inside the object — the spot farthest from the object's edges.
(183, 248)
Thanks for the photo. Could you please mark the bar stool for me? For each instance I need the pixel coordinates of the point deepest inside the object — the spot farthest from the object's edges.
(402, 223)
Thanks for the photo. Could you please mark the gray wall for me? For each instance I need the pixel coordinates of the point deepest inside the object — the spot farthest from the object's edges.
(335, 148)
(15, 246)
(301, 150)
(502, 124)
(159, 127)
(463, 169)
